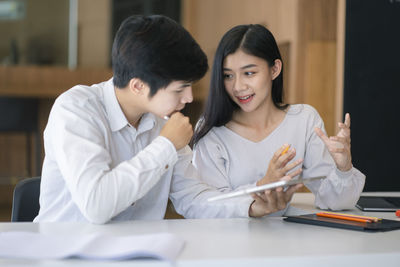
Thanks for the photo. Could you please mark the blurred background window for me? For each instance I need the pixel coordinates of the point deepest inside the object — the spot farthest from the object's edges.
(34, 32)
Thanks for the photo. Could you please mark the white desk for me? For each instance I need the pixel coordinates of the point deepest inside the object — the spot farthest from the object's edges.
(243, 242)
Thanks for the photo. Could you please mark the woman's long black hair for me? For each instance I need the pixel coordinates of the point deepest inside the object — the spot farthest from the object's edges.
(253, 39)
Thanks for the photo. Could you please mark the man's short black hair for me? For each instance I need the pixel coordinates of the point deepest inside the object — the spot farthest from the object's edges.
(157, 50)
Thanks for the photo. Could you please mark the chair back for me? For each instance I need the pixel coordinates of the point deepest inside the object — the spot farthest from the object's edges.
(20, 115)
(25, 204)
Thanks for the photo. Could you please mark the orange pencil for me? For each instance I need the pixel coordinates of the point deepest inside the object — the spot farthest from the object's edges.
(341, 217)
(374, 219)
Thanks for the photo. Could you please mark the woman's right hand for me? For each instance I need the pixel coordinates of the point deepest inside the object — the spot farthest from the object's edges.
(279, 165)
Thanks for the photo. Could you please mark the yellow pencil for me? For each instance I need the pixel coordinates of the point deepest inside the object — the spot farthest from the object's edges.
(285, 150)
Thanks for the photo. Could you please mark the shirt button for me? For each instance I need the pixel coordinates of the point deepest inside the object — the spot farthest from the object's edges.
(166, 166)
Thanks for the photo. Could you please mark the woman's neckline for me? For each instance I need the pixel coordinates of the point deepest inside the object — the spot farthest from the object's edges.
(267, 136)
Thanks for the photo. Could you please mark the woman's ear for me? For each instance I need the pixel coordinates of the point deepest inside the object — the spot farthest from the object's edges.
(276, 68)
(137, 86)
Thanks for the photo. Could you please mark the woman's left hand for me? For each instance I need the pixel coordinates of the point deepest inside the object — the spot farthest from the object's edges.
(339, 145)
(274, 200)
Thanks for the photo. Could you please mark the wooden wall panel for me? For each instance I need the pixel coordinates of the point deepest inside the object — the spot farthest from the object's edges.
(340, 39)
(46, 82)
(94, 33)
(317, 24)
(320, 80)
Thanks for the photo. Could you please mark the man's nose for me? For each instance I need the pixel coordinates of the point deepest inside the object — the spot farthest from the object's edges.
(188, 96)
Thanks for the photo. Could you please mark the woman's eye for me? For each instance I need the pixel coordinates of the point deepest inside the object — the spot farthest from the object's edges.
(227, 76)
(249, 73)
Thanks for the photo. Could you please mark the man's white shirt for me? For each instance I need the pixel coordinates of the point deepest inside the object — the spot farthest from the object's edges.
(98, 167)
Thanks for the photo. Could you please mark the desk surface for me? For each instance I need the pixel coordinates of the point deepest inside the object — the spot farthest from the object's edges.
(239, 242)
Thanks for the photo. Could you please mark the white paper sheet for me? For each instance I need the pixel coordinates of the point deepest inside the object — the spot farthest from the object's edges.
(31, 245)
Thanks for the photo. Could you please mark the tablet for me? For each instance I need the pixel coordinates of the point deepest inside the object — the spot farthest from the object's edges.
(378, 203)
(264, 187)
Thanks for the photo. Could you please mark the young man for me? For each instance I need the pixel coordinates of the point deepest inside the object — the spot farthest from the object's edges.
(111, 155)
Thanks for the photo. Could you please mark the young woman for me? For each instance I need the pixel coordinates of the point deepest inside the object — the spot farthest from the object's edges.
(245, 128)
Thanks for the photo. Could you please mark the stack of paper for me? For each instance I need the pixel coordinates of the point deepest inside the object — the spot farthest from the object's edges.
(30, 245)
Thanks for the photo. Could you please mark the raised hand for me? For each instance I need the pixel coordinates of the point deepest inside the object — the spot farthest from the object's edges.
(178, 130)
(279, 165)
(339, 145)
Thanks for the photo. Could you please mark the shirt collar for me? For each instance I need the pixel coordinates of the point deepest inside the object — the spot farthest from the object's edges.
(115, 115)
(146, 123)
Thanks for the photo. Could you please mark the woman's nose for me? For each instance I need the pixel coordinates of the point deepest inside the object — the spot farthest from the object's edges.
(239, 85)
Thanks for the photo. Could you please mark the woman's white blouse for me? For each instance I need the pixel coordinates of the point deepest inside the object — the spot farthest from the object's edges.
(229, 162)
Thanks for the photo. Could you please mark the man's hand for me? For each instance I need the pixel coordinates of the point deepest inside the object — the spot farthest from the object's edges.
(178, 130)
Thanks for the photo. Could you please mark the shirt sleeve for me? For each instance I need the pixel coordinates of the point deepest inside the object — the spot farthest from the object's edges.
(340, 190)
(77, 140)
(189, 192)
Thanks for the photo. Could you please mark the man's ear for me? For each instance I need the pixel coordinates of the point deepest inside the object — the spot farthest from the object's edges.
(137, 86)
(276, 68)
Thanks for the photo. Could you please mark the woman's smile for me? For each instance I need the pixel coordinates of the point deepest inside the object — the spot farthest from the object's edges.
(245, 99)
